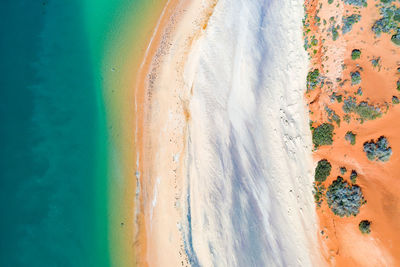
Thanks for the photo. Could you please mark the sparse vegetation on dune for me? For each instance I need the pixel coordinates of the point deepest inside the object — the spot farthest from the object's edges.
(344, 199)
(332, 116)
(363, 109)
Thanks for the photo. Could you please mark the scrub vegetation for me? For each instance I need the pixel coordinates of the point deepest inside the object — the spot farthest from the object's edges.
(322, 170)
(363, 109)
(318, 192)
(355, 77)
(349, 21)
(323, 135)
(351, 137)
(360, 3)
(379, 150)
(355, 54)
(365, 227)
(343, 198)
(313, 79)
(389, 22)
(353, 176)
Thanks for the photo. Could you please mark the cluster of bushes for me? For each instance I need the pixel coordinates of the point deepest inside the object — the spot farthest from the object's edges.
(313, 79)
(389, 22)
(322, 170)
(365, 226)
(344, 199)
(379, 150)
(355, 54)
(323, 135)
(363, 109)
(351, 137)
(349, 21)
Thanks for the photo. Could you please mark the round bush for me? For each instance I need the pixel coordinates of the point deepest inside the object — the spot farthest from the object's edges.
(344, 199)
(322, 170)
(323, 134)
(365, 226)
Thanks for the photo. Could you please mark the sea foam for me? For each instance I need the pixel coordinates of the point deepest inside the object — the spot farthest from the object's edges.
(249, 178)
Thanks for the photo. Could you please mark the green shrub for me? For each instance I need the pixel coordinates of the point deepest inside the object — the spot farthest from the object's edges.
(335, 33)
(398, 85)
(365, 226)
(322, 170)
(379, 150)
(322, 135)
(355, 77)
(313, 79)
(330, 1)
(353, 176)
(375, 62)
(318, 192)
(344, 199)
(355, 54)
(351, 137)
(395, 100)
(362, 3)
(343, 170)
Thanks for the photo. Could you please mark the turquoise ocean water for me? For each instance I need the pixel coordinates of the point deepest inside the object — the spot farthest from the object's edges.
(53, 183)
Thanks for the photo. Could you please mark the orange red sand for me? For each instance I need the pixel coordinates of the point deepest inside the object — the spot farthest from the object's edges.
(342, 244)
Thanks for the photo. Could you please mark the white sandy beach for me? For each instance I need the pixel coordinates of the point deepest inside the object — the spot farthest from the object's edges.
(226, 167)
